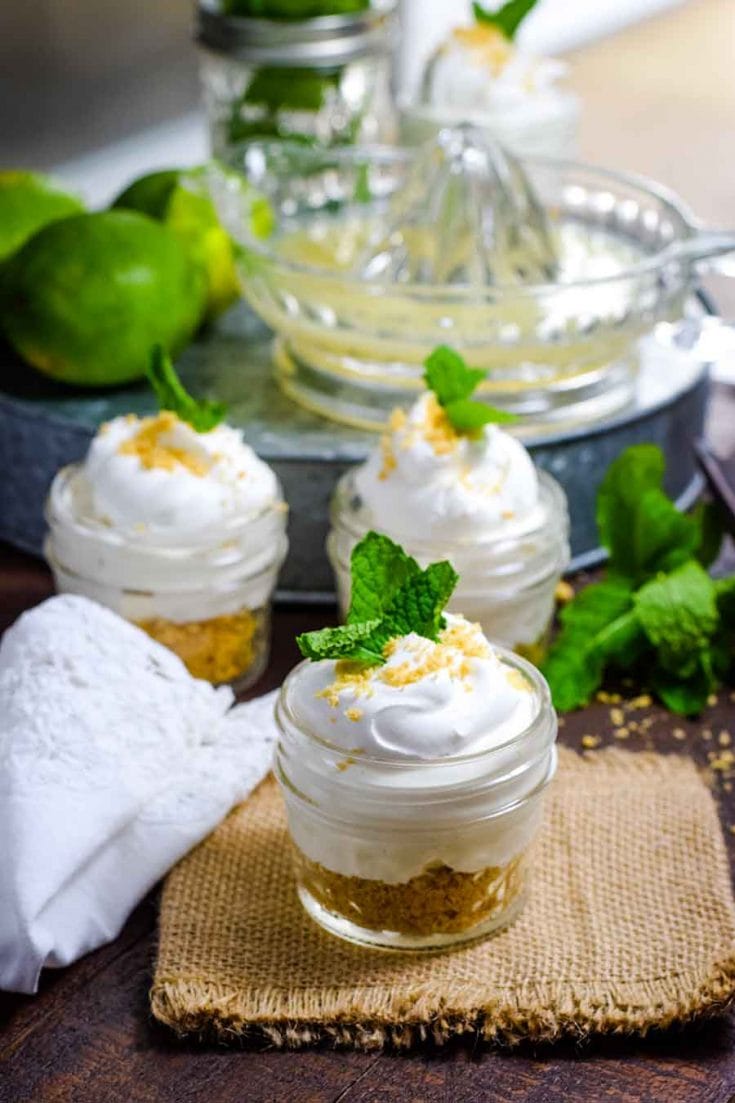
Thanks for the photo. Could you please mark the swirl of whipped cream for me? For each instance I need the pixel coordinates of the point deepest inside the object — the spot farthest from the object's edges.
(428, 700)
(427, 481)
(477, 69)
(158, 472)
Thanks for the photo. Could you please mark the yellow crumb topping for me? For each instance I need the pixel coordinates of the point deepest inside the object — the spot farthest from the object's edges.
(349, 675)
(489, 45)
(396, 422)
(458, 644)
(437, 430)
(153, 450)
(467, 638)
(397, 419)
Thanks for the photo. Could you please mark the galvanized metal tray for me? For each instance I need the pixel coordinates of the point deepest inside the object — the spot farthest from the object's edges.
(44, 426)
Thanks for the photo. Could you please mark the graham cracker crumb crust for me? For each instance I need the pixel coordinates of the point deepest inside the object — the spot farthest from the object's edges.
(441, 900)
(219, 649)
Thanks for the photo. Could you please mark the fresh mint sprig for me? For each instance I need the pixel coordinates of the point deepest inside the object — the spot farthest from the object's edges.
(202, 415)
(658, 613)
(391, 596)
(453, 383)
(507, 18)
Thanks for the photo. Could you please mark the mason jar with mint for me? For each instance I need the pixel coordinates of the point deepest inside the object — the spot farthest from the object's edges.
(311, 71)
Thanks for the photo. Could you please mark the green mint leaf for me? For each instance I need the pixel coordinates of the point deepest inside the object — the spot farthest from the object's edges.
(598, 627)
(508, 18)
(379, 568)
(678, 612)
(639, 469)
(708, 518)
(447, 375)
(664, 538)
(685, 696)
(418, 604)
(391, 596)
(469, 416)
(348, 641)
(725, 598)
(642, 529)
(292, 89)
(172, 395)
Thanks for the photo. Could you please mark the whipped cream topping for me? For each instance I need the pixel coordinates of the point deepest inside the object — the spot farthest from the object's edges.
(478, 70)
(428, 700)
(158, 472)
(427, 481)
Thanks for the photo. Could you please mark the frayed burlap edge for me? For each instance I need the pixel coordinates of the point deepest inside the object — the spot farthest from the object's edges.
(538, 1011)
(206, 1010)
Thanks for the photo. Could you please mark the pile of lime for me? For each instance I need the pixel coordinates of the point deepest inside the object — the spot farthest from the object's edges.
(85, 295)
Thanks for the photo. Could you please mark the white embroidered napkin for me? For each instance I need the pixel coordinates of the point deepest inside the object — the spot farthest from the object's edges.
(114, 762)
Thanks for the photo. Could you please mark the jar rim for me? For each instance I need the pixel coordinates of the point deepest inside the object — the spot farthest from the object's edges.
(263, 570)
(57, 513)
(539, 686)
(551, 496)
(319, 41)
(497, 812)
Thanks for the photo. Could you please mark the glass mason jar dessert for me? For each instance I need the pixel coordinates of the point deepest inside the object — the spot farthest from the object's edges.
(323, 80)
(181, 532)
(474, 499)
(413, 787)
(481, 75)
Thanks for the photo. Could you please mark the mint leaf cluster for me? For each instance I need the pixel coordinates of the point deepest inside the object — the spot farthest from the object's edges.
(507, 18)
(453, 384)
(657, 613)
(391, 596)
(172, 395)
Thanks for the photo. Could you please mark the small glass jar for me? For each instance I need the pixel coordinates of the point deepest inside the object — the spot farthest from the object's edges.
(506, 582)
(206, 595)
(414, 853)
(321, 81)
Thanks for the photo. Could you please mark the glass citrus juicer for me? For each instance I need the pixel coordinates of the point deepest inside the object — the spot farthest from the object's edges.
(545, 273)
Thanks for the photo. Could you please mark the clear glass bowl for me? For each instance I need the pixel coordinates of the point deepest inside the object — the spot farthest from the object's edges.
(507, 581)
(414, 854)
(352, 348)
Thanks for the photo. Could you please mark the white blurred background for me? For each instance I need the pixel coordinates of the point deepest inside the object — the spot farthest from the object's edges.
(102, 90)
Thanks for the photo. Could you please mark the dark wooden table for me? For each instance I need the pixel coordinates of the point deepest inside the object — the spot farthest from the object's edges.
(88, 1036)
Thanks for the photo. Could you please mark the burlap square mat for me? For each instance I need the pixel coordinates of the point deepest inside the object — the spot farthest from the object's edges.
(630, 925)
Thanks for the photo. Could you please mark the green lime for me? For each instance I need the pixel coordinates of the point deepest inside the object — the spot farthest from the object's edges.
(149, 194)
(29, 201)
(176, 197)
(86, 298)
(179, 198)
